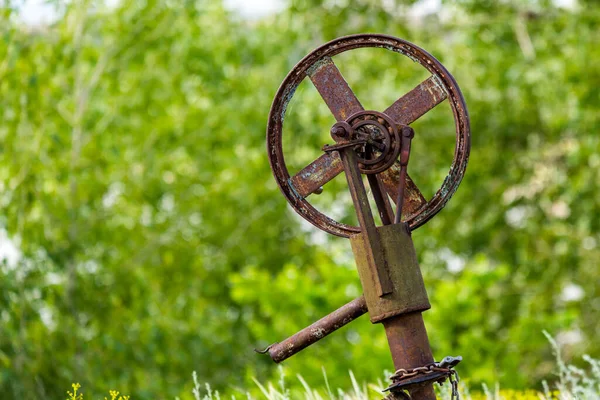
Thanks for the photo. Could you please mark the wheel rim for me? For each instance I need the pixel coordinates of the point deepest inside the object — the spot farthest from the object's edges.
(440, 76)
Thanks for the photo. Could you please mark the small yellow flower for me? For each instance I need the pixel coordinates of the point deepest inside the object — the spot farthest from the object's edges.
(79, 396)
(73, 395)
(113, 395)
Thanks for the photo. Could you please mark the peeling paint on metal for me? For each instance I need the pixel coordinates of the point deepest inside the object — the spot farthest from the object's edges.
(318, 65)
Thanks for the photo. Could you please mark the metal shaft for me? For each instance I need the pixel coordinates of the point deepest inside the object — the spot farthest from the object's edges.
(400, 199)
(407, 135)
(373, 248)
(406, 333)
(323, 327)
(381, 199)
(409, 345)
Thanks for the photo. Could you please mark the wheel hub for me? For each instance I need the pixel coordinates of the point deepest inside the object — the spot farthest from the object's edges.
(376, 136)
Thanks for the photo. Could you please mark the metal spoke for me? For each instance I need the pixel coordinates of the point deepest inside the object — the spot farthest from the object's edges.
(417, 102)
(334, 89)
(316, 174)
(413, 198)
(381, 199)
(342, 102)
(406, 110)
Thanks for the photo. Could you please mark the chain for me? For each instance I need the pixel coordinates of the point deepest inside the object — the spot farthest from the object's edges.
(454, 379)
(445, 367)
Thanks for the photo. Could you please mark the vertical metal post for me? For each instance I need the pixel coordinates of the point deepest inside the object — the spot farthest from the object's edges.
(406, 333)
(409, 345)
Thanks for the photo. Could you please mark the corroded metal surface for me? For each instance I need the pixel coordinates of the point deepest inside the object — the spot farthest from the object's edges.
(333, 88)
(381, 200)
(315, 332)
(373, 252)
(407, 135)
(410, 107)
(318, 65)
(408, 293)
(378, 145)
(382, 136)
(413, 199)
(409, 345)
(439, 372)
(316, 174)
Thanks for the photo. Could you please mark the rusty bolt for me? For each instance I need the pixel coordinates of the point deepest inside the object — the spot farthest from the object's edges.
(338, 131)
(341, 130)
(408, 132)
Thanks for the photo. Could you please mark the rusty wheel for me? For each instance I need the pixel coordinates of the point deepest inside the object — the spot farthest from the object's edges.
(346, 108)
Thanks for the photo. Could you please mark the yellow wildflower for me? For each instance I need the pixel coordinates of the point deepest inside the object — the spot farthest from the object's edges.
(73, 395)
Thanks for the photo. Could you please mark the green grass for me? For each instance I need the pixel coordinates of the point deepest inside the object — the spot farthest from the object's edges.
(571, 383)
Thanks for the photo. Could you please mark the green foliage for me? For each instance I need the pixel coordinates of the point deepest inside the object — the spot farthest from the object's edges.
(135, 183)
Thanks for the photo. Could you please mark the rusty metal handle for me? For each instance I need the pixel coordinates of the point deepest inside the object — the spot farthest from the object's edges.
(313, 333)
(407, 135)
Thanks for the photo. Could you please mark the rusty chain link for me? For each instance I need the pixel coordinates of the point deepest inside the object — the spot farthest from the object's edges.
(444, 367)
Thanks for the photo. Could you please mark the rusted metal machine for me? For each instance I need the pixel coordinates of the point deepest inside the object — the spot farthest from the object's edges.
(375, 144)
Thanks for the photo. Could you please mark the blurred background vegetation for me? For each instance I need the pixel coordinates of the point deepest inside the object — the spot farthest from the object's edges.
(143, 236)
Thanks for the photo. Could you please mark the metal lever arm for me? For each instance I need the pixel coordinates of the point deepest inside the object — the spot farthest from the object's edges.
(313, 333)
(407, 134)
(342, 145)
